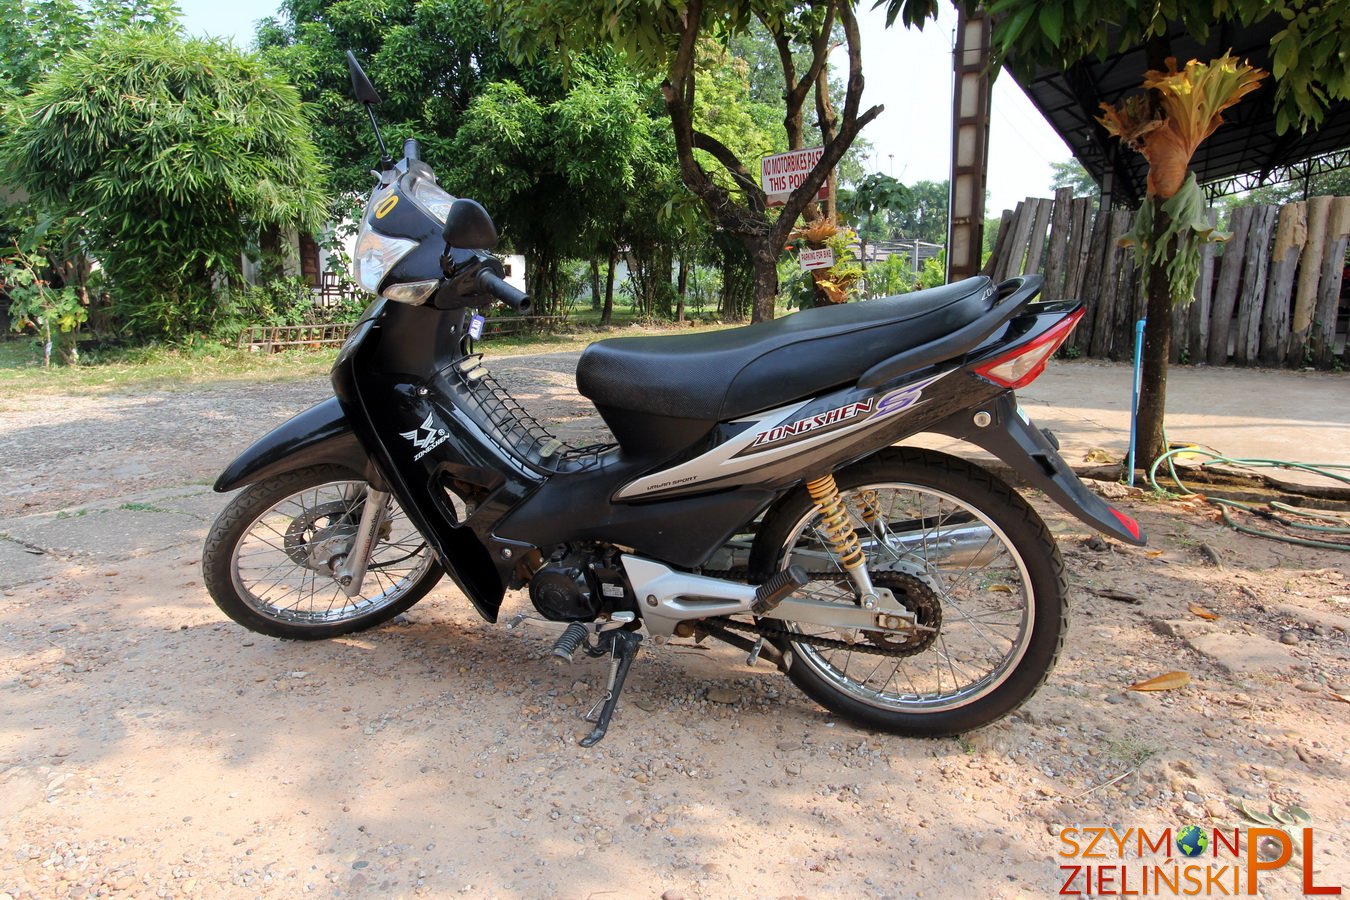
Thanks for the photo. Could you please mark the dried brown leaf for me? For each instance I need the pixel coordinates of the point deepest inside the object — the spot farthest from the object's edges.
(1169, 681)
(1198, 610)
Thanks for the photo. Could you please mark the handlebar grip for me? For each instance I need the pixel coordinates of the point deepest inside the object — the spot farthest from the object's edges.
(411, 149)
(517, 300)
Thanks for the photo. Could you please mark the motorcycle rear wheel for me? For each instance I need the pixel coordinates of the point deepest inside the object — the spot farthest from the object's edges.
(264, 560)
(952, 531)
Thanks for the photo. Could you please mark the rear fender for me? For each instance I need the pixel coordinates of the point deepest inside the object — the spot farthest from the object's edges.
(1010, 436)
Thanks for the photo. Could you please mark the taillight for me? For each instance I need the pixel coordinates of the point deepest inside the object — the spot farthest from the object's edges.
(1023, 365)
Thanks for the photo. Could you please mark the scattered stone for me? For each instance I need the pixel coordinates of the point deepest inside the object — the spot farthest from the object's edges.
(672, 895)
(1095, 542)
(1182, 628)
(1290, 637)
(723, 695)
(1314, 616)
(1309, 687)
(1246, 654)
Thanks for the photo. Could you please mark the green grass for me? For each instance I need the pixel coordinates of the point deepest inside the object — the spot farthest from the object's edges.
(168, 368)
(143, 507)
(21, 372)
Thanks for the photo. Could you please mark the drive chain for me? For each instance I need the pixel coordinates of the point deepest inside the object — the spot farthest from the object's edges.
(769, 628)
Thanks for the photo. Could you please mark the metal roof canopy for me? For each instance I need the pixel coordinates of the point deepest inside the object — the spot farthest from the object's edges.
(1243, 153)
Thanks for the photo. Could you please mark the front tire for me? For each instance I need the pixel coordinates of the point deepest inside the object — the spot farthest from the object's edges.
(268, 558)
(937, 531)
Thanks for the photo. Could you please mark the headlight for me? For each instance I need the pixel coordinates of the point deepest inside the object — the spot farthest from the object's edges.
(435, 201)
(376, 254)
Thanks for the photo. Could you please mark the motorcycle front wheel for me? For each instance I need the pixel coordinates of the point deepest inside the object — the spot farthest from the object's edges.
(271, 554)
(959, 549)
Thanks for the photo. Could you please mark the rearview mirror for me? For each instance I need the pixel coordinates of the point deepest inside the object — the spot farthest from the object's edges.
(361, 86)
(469, 227)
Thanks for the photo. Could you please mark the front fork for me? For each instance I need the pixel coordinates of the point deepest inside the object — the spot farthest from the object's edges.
(352, 572)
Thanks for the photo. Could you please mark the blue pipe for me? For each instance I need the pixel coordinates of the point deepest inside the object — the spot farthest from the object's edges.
(1134, 393)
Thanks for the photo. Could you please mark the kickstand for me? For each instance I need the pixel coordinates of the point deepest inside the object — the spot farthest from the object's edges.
(622, 647)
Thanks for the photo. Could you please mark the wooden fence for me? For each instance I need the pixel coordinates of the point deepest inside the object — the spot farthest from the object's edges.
(1272, 295)
(273, 338)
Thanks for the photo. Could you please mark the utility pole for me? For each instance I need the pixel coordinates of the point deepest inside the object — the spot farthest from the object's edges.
(970, 146)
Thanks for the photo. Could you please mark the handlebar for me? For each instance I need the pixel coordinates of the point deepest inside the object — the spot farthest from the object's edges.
(411, 149)
(517, 300)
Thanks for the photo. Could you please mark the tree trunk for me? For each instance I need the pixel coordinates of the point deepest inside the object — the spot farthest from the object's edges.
(681, 290)
(1149, 443)
(765, 261)
(747, 222)
(595, 283)
(607, 316)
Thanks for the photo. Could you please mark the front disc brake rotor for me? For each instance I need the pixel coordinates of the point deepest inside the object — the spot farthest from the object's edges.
(919, 599)
(315, 546)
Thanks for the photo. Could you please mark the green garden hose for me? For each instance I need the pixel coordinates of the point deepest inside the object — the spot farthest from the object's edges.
(1271, 512)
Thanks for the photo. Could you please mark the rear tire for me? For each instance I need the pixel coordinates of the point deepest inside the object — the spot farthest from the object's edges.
(1007, 614)
(261, 560)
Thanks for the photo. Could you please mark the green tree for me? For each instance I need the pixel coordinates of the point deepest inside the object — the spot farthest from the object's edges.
(568, 172)
(1307, 52)
(664, 37)
(35, 36)
(1071, 174)
(924, 216)
(53, 311)
(867, 207)
(430, 59)
(173, 153)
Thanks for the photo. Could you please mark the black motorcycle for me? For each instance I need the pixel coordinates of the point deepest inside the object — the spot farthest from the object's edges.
(758, 490)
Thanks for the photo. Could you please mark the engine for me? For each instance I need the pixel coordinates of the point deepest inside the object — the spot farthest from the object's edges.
(580, 585)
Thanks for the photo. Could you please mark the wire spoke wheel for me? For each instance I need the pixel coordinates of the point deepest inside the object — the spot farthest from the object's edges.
(273, 556)
(955, 547)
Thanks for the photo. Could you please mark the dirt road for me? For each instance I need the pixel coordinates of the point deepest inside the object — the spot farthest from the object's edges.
(151, 748)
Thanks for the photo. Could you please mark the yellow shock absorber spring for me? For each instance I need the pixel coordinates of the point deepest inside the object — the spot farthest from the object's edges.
(834, 521)
(871, 507)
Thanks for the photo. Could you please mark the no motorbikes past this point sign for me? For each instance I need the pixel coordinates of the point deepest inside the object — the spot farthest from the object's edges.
(783, 173)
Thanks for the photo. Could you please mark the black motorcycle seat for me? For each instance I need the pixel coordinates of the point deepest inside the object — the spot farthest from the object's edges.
(723, 375)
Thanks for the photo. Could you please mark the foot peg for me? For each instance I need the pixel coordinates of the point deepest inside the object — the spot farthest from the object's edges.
(569, 642)
(772, 592)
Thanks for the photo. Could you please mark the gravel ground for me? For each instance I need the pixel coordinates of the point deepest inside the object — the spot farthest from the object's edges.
(151, 748)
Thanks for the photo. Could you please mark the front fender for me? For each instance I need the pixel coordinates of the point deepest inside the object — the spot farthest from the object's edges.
(319, 435)
(1012, 438)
